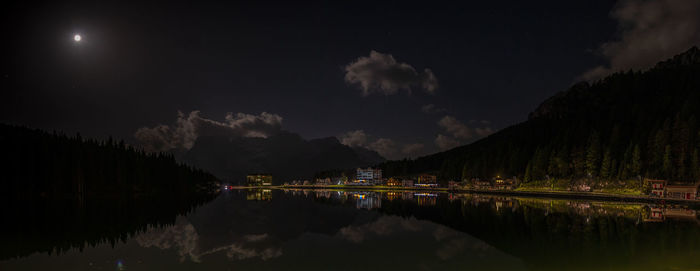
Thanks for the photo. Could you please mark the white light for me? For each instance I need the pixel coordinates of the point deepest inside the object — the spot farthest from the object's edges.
(77, 37)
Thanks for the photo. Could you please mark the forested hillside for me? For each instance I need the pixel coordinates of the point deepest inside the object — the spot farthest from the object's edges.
(45, 165)
(629, 125)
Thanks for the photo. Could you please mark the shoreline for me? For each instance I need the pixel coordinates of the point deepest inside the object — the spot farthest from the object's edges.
(548, 194)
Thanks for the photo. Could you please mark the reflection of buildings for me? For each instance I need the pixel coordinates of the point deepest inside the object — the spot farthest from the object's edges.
(503, 202)
(426, 199)
(259, 194)
(367, 201)
(322, 194)
(392, 195)
(259, 179)
(660, 213)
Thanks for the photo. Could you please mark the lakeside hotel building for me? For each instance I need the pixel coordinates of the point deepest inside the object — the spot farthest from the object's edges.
(369, 174)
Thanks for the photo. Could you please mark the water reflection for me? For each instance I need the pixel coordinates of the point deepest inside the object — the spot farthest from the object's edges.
(263, 229)
(259, 194)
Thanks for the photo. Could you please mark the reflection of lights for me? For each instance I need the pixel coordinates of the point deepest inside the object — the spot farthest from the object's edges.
(120, 265)
(425, 194)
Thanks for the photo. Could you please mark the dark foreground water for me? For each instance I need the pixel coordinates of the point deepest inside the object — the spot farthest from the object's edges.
(345, 230)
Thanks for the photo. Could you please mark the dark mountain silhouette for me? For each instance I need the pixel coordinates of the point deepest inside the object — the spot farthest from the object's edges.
(629, 125)
(285, 155)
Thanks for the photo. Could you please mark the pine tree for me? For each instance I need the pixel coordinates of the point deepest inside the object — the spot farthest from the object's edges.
(528, 173)
(695, 166)
(465, 172)
(667, 168)
(606, 165)
(593, 154)
(636, 163)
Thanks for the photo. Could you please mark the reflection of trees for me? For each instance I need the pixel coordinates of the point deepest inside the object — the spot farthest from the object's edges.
(552, 234)
(56, 227)
(63, 192)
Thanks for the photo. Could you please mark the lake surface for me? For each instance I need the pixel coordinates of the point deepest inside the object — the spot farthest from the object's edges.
(352, 230)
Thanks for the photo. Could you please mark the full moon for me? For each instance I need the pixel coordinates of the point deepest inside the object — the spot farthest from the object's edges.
(77, 37)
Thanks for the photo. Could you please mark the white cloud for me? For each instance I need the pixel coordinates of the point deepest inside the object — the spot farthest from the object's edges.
(386, 147)
(381, 73)
(356, 138)
(459, 133)
(650, 31)
(431, 109)
(456, 128)
(187, 128)
(413, 149)
(445, 142)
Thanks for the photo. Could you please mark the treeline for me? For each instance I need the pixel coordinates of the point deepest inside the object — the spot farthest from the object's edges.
(629, 125)
(45, 165)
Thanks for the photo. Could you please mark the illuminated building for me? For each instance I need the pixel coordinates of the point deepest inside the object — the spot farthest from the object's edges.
(507, 184)
(681, 191)
(481, 184)
(393, 182)
(259, 180)
(323, 182)
(452, 185)
(369, 175)
(657, 187)
(426, 180)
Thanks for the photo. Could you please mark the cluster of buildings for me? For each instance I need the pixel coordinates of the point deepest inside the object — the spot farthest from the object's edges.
(662, 189)
(372, 177)
(495, 183)
(259, 179)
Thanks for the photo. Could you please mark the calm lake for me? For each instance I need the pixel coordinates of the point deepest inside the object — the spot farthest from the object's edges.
(354, 230)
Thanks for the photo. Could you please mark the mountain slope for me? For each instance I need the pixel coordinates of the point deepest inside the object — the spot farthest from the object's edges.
(628, 125)
(285, 155)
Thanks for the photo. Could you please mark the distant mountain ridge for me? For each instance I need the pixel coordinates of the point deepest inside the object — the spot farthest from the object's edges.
(285, 155)
(626, 126)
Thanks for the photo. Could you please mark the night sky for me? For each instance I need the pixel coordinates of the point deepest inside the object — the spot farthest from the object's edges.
(399, 77)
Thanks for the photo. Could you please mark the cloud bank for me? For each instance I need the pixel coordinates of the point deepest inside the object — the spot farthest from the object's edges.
(649, 31)
(457, 133)
(386, 147)
(188, 128)
(381, 73)
(431, 109)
